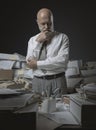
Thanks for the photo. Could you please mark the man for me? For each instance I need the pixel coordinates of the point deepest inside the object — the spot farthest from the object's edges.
(48, 68)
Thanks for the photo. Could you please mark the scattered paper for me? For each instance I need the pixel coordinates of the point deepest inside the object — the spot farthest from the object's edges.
(6, 64)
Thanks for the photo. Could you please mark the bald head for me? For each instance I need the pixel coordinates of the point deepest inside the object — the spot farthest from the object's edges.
(45, 19)
(44, 11)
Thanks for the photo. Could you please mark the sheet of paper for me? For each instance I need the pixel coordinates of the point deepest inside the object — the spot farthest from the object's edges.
(15, 56)
(19, 99)
(6, 64)
(8, 56)
(20, 57)
(63, 117)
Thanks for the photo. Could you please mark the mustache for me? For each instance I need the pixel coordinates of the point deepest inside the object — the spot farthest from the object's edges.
(44, 30)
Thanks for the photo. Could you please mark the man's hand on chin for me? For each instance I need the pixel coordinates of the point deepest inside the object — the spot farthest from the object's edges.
(44, 36)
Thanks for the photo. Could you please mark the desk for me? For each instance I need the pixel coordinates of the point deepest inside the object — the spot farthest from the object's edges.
(15, 116)
(77, 117)
(17, 121)
(84, 110)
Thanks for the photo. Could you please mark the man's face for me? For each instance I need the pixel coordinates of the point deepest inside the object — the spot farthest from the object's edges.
(45, 22)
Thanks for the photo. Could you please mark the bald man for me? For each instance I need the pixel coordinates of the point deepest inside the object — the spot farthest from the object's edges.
(47, 56)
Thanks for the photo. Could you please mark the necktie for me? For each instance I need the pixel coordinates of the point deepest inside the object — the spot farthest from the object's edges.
(43, 51)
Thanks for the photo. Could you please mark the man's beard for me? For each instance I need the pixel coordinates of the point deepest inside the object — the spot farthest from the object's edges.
(43, 30)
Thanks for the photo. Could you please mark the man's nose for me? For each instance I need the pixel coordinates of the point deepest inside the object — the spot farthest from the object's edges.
(46, 25)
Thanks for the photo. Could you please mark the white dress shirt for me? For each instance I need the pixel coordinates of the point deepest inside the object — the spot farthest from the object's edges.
(57, 54)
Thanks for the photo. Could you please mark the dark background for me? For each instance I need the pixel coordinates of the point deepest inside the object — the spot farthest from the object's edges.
(74, 18)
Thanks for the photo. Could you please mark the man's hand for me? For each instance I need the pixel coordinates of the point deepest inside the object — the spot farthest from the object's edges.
(44, 36)
(32, 63)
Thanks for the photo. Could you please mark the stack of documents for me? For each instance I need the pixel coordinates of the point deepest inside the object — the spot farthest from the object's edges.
(9, 62)
(90, 90)
(16, 99)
